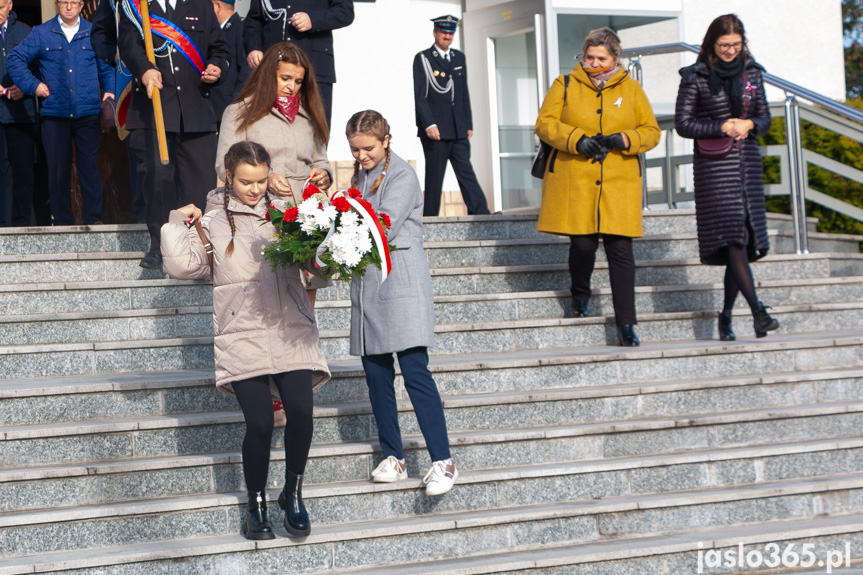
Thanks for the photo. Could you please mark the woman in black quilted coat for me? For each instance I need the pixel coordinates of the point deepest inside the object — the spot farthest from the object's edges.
(714, 101)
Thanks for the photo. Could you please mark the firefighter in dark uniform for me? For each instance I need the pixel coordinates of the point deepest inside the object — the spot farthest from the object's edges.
(185, 74)
(307, 23)
(444, 119)
(238, 72)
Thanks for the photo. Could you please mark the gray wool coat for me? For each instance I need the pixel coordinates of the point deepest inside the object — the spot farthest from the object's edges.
(398, 314)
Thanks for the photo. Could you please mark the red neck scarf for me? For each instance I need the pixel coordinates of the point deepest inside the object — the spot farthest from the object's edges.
(288, 106)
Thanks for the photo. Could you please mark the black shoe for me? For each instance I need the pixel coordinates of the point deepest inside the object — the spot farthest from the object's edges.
(579, 308)
(257, 527)
(152, 261)
(725, 332)
(626, 336)
(762, 321)
(291, 500)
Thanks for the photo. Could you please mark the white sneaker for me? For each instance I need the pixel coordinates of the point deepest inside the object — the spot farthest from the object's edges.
(440, 478)
(389, 471)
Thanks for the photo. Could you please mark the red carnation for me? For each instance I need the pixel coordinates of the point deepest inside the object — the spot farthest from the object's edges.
(291, 214)
(341, 204)
(355, 193)
(386, 220)
(310, 191)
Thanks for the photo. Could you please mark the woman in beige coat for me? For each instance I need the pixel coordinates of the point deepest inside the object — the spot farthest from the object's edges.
(281, 108)
(266, 340)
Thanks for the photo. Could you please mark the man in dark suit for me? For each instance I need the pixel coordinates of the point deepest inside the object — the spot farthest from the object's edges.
(238, 71)
(17, 125)
(444, 120)
(184, 74)
(307, 23)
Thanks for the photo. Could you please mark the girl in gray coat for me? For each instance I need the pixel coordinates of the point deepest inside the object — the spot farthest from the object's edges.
(267, 344)
(396, 317)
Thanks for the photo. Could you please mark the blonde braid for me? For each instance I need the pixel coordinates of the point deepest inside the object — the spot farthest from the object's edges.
(377, 183)
(230, 249)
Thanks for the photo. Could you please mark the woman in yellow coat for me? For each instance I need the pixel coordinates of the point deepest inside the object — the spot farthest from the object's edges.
(598, 121)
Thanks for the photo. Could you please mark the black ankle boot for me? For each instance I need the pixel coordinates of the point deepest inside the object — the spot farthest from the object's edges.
(626, 336)
(257, 527)
(291, 500)
(762, 321)
(725, 332)
(579, 308)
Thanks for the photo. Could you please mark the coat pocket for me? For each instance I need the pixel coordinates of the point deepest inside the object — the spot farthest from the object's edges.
(232, 309)
(399, 283)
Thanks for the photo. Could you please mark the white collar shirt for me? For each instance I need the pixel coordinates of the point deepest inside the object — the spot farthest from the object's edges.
(69, 31)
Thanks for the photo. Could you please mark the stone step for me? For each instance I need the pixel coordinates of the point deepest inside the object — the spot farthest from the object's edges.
(442, 535)
(143, 323)
(485, 371)
(330, 468)
(667, 553)
(540, 333)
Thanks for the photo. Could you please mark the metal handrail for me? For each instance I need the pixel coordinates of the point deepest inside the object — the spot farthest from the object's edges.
(837, 107)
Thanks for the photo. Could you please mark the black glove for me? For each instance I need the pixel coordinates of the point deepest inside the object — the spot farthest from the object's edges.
(613, 141)
(589, 147)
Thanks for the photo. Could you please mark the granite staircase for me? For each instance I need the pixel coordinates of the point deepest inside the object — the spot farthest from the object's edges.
(118, 456)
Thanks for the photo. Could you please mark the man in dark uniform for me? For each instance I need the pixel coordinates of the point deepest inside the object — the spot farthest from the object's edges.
(184, 74)
(444, 119)
(238, 71)
(307, 23)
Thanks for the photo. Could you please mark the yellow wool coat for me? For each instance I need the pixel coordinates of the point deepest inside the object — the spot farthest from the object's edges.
(580, 197)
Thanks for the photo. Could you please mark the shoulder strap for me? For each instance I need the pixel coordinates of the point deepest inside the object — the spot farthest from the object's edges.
(208, 247)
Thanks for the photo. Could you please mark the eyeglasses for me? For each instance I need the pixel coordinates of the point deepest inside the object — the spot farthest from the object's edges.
(736, 47)
(68, 4)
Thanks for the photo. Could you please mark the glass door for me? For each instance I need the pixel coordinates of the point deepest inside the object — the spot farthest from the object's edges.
(517, 98)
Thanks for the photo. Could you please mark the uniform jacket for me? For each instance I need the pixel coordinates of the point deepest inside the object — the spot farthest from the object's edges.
(263, 321)
(260, 32)
(292, 146)
(183, 92)
(71, 70)
(398, 314)
(103, 36)
(450, 111)
(238, 71)
(11, 111)
(729, 193)
(580, 197)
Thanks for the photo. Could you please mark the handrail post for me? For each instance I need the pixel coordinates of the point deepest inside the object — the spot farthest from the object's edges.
(637, 72)
(796, 181)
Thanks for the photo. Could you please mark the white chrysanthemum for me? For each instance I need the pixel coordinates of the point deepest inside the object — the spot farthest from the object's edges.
(349, 219)
(364, 244)
(344, 250)
(324, 218)
(308, 207)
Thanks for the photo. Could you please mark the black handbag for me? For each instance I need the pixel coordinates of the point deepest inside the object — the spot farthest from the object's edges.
(540, 161)
(718, 148)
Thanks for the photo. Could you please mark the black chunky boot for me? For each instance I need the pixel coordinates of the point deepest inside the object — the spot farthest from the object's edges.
(257, 527)
(579, 308)
(725, 332)
(291, 500)
(626, 336)
(762, 321)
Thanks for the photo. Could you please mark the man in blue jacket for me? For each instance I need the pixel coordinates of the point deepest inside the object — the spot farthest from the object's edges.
(73, 81)
(17, 122)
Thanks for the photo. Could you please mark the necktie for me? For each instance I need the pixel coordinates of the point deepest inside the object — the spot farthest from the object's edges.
(169, 9)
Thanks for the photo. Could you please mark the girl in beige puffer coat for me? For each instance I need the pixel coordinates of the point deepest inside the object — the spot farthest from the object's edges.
(266, 340)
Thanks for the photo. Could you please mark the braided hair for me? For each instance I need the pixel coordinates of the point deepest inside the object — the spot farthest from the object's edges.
(374, 124)
(244, 152)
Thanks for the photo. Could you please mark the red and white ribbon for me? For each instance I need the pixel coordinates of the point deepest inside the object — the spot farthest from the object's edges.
(378, 236)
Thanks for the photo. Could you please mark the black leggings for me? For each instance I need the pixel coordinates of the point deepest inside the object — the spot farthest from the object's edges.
(621, 271)
(295, 389)
(738, 278)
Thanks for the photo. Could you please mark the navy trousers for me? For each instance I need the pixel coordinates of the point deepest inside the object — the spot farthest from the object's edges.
(380, 377)
(57, 136)
(457, 152)
(16, 143)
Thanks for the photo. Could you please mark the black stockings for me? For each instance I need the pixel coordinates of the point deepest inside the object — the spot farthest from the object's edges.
(738, 278)
(295, 389)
